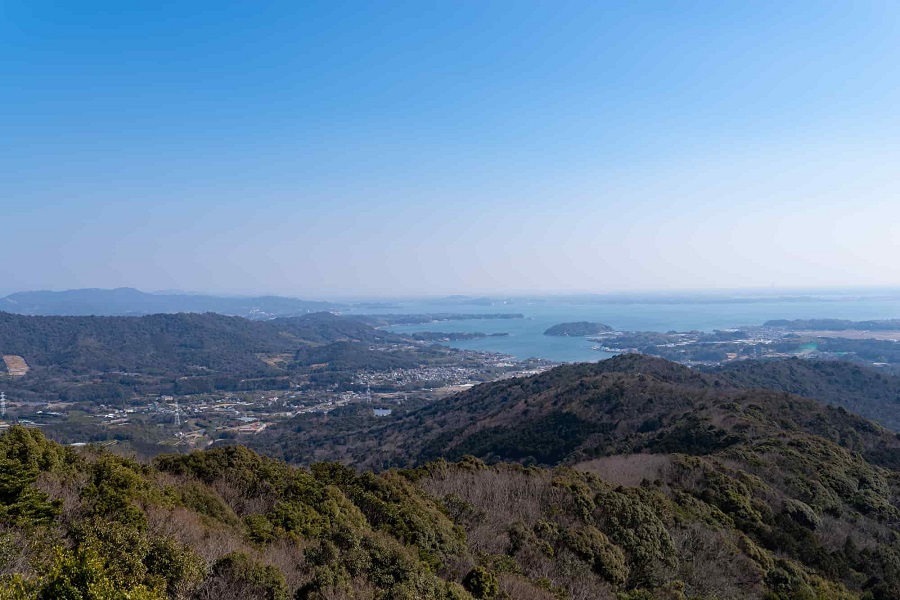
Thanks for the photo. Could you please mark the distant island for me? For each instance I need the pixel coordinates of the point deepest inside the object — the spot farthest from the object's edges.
(440, 336)
(578, 329)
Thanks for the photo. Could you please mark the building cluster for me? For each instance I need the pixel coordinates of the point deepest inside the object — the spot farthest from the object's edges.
(420, 375)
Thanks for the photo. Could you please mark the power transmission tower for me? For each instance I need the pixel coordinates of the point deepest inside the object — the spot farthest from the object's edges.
(3, 404)
(177, 415)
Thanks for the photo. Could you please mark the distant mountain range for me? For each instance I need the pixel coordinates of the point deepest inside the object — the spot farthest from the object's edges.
(129, 301)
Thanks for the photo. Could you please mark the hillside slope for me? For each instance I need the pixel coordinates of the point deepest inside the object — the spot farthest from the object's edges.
(164, 342)
(722, 503)
(629, 403)
(115, 359)
(860, 390)
(811, 483)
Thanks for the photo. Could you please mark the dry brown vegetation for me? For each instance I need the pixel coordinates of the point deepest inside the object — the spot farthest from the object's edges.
(627, 469)
(15, 365)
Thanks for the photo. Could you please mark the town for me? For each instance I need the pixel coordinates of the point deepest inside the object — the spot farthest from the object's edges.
(163, 423)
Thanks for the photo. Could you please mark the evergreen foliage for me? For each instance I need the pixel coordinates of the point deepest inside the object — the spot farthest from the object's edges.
(758, 495)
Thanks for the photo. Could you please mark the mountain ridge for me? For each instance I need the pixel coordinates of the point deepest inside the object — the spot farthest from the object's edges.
(573, 412)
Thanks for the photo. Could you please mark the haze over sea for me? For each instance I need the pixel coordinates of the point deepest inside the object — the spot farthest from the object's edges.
(526, 336)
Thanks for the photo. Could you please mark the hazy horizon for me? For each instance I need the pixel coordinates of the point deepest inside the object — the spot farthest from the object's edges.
(649, 294)
(328, 150)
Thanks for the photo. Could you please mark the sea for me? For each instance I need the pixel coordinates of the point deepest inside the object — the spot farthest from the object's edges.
(526, 337)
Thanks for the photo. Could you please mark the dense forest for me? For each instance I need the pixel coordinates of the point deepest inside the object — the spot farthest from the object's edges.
(658, 482)
(112, 359)
(758, 458)
(168, 343)
(860, 390)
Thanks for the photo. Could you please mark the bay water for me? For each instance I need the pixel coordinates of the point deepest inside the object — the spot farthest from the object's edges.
(526, 336)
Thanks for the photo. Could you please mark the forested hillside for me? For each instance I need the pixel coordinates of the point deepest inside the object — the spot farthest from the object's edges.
(575, 412)
(230, 524)
(860, 390)
(113, 359)
(630, 479)
(159, 343)
(807, 482)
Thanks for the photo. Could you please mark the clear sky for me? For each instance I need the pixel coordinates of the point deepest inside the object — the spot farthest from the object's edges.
(376, 148)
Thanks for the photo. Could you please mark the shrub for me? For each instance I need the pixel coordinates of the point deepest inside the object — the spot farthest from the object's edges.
(82, 575)
(592, 546)
(244, 577)
(180, 569)
(802, 514)
(481, 583)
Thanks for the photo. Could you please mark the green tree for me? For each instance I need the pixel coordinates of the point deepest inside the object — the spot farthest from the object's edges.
(239, 572)
(481, 583)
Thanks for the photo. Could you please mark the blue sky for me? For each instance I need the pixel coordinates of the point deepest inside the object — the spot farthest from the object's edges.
(322, 149)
